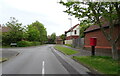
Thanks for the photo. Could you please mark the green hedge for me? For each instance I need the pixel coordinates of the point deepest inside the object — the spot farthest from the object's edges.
(36, 43)
(27, 43)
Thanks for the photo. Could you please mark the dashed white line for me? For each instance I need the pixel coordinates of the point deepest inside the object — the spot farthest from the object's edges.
(43, 68)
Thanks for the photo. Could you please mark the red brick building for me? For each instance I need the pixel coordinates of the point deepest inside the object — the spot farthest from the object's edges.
(102, 44)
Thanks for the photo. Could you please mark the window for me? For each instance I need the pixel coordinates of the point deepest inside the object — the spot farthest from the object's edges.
(75, 32)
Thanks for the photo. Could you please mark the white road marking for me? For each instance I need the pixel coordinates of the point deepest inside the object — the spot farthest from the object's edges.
(43, 68)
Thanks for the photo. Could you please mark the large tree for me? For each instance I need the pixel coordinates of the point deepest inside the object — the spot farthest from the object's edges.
(53, 37)
(42, 30)
(63, 38)
(92, 12)
(15, 32)
(33, 33)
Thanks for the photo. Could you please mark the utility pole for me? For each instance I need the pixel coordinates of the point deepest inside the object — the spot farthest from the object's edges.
(70, 27)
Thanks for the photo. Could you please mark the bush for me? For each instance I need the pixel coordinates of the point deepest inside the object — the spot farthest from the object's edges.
(36, 43)
(24, 43)
(27, 43)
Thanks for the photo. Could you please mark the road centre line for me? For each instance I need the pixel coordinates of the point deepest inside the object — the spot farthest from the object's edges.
(43, 68)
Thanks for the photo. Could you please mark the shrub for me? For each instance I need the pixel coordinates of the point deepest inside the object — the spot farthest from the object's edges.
(36, 43)
(27, 43)
(24, 43)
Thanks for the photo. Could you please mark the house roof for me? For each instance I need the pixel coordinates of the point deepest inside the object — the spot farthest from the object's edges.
(72, 28)
(5, 29)
(58, 38)
(96, 26)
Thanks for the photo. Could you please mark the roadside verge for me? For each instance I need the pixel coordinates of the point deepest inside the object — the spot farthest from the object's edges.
(78, 67)
(97, 64)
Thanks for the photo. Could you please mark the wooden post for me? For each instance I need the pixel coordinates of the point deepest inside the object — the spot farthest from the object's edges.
(93, 51)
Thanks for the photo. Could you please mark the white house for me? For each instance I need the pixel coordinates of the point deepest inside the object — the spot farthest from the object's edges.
(72, 33)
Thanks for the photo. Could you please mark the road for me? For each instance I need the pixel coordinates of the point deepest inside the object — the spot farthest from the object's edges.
(41, 60)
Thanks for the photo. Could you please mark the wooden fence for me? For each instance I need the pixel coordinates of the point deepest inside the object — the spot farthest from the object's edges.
(78, 43)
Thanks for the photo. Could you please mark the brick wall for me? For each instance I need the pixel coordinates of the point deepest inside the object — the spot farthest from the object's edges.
(102, 42)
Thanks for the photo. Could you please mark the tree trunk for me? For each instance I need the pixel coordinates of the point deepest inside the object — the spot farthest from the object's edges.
(114, 52)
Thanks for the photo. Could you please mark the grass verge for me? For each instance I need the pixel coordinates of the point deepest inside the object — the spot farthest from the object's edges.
(68, 45)
(103, 64)
(3, 59)
(65, 50)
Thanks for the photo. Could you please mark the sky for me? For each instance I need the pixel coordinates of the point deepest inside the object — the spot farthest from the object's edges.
(48, 12)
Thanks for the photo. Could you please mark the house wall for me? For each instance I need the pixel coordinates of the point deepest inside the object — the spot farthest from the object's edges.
(77, 28)
(68, 41)
(102, 43)
(101, 40)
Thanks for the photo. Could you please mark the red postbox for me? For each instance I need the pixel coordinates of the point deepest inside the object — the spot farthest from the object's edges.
(93, 41)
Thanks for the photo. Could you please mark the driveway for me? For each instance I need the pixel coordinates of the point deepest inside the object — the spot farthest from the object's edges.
(41, 60)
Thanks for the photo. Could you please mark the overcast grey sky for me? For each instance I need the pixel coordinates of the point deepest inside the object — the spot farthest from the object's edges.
(48, 12)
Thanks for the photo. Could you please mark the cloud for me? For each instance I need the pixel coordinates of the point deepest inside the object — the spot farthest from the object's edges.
(48, 12)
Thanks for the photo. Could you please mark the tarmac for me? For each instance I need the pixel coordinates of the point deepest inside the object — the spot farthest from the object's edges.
(7, 54)
(10, 53)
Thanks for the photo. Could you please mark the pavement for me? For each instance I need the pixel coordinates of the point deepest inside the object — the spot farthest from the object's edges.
(41, 60)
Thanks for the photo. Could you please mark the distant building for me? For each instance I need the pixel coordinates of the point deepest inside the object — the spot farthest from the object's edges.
(58, 40)
(72, 33)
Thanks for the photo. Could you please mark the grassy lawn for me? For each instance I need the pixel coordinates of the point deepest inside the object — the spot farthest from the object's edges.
(102, 64)
(3, 59)
(65, 50)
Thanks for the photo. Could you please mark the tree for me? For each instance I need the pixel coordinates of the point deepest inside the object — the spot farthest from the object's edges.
(0, 37)
(15, 33)
(33, 33)
(63, 38)
(53, 37)
(83, 27)
(42, 31)
(25, 34)
(91, 12)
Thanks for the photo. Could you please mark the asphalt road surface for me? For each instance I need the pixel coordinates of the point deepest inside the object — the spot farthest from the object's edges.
(41, 60)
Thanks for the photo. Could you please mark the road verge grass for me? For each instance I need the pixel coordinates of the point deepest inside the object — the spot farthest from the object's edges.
(65, 50)
(68, 45)
(103, 64)
(3, 59)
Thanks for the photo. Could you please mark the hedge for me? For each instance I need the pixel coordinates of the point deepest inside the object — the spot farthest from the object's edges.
(27, 43)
